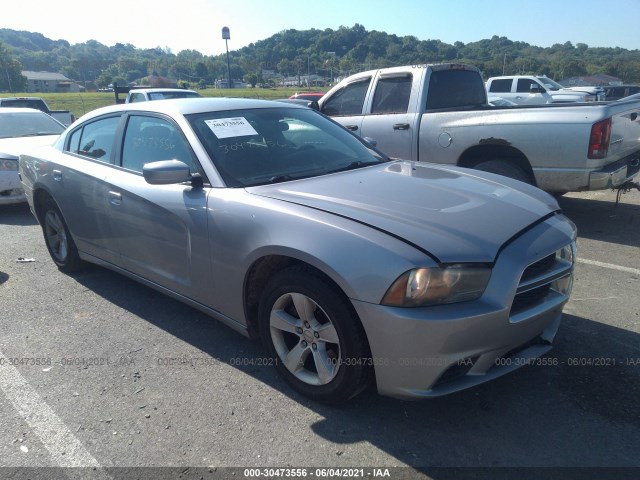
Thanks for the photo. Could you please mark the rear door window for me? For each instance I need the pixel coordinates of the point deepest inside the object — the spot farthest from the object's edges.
(500, 86)
(392, 95)
(95, 140)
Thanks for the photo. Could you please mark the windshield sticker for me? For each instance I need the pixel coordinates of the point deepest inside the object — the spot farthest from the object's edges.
(231, 127)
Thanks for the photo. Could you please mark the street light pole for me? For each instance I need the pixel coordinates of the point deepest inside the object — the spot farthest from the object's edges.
(226, 35)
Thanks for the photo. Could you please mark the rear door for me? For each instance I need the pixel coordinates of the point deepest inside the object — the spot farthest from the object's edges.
(393, 114)
(523, 93)
(79, 186)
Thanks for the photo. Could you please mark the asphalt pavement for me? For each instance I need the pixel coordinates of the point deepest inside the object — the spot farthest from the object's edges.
(102, 374)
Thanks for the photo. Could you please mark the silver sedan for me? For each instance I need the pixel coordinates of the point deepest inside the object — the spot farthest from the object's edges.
(278, 222)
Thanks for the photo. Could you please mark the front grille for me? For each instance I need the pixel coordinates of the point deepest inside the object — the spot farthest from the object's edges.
(539, 267)
(530, 297)
(535, 282)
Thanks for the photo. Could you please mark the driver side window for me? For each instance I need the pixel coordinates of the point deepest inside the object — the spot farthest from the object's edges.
(348, 101)
(151, 139)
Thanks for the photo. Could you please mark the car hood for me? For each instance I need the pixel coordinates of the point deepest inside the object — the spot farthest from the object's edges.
(16, 146)
(454, 214)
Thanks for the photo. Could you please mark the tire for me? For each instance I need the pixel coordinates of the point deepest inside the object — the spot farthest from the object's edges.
(313, 336)
(59, 242)
(506, 169)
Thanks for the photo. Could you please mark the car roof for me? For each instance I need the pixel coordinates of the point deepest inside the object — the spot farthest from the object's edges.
(186, 106)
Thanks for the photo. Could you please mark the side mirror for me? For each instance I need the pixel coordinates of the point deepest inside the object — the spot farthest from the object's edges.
(166, 172)
(371, 141)
(313, 105)
(536, 89)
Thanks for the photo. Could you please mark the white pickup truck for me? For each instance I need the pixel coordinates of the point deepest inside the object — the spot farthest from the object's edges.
(439, 113)
(531, 90)
(145, 94)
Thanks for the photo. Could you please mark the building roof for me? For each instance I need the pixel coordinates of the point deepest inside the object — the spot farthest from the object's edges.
(47, 76)
(598, 79)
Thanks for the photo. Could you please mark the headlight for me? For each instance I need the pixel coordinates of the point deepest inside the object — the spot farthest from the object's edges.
(8, 165)
(438, 285)
(567, 253)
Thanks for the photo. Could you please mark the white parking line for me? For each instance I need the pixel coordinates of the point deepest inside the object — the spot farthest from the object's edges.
(64, 447)
(609, 265)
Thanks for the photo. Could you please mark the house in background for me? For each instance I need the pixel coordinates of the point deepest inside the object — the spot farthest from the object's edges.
(49, 82)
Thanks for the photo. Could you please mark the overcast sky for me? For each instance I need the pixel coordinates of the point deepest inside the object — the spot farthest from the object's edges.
(197, 24)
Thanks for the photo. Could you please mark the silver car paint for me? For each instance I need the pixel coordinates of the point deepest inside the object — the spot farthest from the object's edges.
(198, 244)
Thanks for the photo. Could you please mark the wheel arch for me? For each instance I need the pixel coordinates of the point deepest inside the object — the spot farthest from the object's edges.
(477, 154)
(40, 196)
(263, 268)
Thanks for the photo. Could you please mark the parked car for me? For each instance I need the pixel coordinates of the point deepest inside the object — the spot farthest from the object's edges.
(616, 92)
(283, 225)
(21, 129)
(538, 89)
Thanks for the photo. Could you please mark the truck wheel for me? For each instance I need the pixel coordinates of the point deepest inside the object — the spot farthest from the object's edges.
(504, 168)
(313, 336)
(59, 242)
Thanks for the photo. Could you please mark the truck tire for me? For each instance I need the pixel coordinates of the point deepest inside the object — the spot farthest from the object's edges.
(504, 168)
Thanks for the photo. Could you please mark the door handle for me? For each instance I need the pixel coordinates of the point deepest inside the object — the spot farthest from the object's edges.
(115, 198)
(57, 175)
(401, 126)
(353, 128)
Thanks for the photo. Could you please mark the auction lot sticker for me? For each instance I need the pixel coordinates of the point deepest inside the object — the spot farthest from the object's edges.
(231, 127)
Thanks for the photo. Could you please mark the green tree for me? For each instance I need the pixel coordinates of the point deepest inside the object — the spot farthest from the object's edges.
(11, 78)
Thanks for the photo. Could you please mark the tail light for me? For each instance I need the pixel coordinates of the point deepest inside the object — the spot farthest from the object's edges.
(599, 139)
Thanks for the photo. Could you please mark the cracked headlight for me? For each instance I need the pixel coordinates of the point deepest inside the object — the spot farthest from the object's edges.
(438, 285)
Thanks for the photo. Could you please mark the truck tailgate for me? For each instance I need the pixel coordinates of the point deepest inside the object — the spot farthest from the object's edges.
(625, 129)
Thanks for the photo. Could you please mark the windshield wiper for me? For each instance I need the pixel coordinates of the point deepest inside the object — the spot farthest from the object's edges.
(353, 166)
(280, 178)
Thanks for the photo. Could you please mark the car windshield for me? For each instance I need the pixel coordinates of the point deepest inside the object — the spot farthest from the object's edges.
(28, 124)
(270, 145)
(550, 84)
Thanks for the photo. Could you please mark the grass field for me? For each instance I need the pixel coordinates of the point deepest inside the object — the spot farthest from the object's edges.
(81, 103)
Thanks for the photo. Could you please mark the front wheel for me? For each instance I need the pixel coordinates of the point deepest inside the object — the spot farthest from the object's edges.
(313, 336)
(59, 242)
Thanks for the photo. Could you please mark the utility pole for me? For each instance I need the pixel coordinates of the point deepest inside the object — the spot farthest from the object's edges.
(226, 35)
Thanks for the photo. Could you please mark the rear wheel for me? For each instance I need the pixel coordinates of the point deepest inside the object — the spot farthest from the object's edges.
(59, 242)
(313, 336)
(506, 169)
